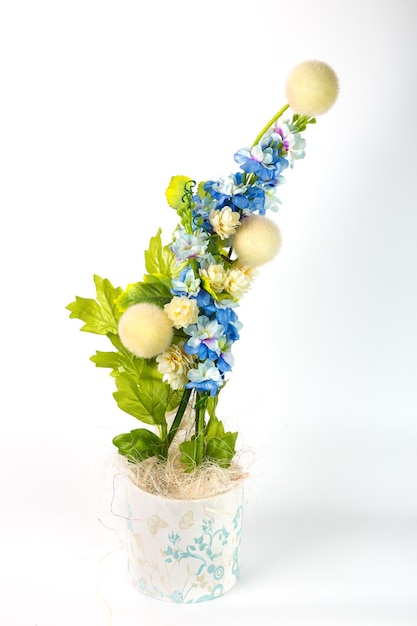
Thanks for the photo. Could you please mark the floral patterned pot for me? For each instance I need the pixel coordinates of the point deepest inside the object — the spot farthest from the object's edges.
(184, 550)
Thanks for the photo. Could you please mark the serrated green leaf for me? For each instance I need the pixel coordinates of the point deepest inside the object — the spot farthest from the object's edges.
(100, 316)
(154, 291)
(159, 260)
(147, 401)
(112, 360)
(139, 444)
(107, 295)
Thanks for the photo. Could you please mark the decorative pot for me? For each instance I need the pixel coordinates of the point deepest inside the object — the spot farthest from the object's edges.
(183, 550)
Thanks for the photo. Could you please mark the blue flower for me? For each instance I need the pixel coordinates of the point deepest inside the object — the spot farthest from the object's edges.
(201, 212)
(186, 284)
(229, 191)
(206, 377)
(225, 362)
(206, 302)
(204, 338)
(264, 161)
(257, 160)
(230, 322)
(256, 198)
(189, 246)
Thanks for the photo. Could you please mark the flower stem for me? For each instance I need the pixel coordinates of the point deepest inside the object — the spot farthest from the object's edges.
(178, 417)
(200, 410)
(274, 119)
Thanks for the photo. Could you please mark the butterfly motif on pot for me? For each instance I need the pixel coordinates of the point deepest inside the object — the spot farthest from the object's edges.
(155, 523)
(187, 520)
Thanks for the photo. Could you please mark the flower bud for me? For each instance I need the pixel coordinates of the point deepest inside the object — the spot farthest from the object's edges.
(312, 88)
(257, 240)
(145, 330)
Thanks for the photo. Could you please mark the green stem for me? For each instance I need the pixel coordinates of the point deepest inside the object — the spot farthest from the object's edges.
(274, 119)
(178, 417)
(200, 411)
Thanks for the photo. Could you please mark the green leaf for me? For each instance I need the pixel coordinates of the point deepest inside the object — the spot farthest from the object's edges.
(214, 428)
(188, 451)
(139, 444)
(211, 405)
(119, 361)
(174, 400)
(112, 360)
(159, 260)
(100, 316)
(147, 401)
(154, 291)
(222, 449)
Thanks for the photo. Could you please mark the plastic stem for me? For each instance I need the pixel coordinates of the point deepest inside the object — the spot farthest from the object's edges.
(274, 119)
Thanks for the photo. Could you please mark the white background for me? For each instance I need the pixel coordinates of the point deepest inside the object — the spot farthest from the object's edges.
(101, 103)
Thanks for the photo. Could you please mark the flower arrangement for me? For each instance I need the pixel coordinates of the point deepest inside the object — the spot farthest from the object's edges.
(172, 333)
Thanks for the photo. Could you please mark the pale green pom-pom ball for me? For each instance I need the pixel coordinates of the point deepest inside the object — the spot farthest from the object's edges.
(257, 241)
(145, 330)
(312, 88)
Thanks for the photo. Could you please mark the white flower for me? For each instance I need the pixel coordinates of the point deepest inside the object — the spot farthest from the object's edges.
(293, 143)
(215, 275)
(272, 201)
(238, 281)
(174, 364)
(182, 311)
(224, 222)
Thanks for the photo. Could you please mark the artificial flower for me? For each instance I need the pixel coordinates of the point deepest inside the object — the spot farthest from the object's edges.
(312, 88)
(182, 311)
(238, 281)
(186, 284)
(213, 277)
(257, 160)
(257, 241)
(189, 245)
(145, 330)
(204, 338)
(205, 377)
(224, 222)
(175, 330)
(174, 365)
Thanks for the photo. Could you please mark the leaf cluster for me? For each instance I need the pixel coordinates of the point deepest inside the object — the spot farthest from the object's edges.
(140, 390)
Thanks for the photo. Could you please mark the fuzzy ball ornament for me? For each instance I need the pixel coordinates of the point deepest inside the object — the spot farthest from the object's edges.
(312, 88)
(257, 241)
(145, 330)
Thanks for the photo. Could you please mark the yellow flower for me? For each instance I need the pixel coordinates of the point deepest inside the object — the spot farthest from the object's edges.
(312, 88)
(182, 311)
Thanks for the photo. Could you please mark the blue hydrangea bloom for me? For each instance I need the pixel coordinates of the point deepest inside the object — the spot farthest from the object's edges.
(229, 191)
(186, 284)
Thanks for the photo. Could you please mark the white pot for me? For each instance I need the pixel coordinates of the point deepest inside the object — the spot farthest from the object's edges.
(184, 550)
